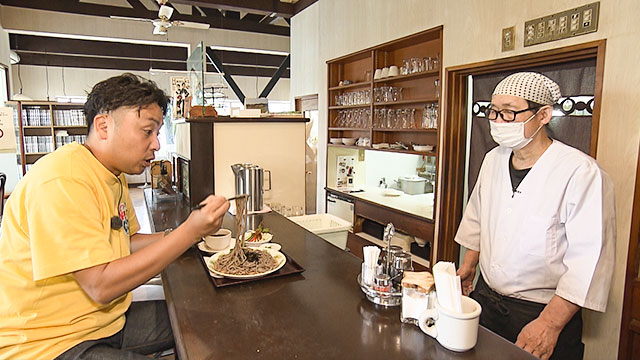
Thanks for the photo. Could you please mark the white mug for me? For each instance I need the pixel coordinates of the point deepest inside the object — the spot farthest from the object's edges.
(453, 330)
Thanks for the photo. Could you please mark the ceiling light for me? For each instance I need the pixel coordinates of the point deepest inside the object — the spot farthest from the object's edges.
(159, 29)
(165, 12)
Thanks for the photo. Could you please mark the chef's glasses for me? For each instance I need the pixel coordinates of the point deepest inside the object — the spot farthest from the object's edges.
(505, 114)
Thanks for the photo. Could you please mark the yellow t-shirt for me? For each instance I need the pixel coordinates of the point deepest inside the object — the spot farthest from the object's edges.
(57, 221)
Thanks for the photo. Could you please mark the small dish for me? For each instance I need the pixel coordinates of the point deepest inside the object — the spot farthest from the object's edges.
(380, 146)
(335, 140)
(391, 192)
(349, 141)
(272, 246)
(203, 246)
(422, 147)
(266, 237)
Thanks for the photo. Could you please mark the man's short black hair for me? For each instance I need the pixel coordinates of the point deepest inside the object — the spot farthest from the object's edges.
(126, 90)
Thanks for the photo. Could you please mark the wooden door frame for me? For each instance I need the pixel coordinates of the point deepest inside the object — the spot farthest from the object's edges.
(631, 282)
(454, 127)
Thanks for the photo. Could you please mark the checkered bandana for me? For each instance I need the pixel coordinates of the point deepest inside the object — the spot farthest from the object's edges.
(529, 86)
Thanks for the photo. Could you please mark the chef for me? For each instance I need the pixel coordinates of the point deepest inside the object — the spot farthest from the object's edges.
(540, 222)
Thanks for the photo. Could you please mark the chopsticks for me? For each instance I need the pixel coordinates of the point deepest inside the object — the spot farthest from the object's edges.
(201, 205)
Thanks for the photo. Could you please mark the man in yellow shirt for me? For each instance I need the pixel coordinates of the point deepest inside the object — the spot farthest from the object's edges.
(70, 251)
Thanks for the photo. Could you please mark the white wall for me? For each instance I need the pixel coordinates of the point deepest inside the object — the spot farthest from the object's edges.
(8, 160)
(472, 31)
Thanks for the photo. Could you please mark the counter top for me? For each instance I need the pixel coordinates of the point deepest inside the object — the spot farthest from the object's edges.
(319, 314)
(419, 205)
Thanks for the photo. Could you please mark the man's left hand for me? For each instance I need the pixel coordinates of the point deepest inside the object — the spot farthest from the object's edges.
(539, 338)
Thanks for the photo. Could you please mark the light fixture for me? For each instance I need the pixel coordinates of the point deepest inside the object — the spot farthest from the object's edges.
(14, 58)
(159, 28)
(165, 12)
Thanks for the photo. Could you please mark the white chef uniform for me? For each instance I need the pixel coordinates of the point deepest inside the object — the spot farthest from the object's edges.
(555, 235)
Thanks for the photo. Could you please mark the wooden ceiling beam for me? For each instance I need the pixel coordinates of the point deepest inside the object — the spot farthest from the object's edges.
(136, 4)
(89, 62)
(263, 7)
(43, 44)
(75, 7)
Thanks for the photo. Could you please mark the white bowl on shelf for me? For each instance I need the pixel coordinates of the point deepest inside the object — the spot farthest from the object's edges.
(380, 146)
(349, 141)
(335, 140)
(423, 148)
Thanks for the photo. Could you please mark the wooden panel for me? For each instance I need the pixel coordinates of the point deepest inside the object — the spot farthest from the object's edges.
(201, 165)
(402, 222)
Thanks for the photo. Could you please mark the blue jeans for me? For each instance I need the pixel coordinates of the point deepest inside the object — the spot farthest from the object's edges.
(146, 331)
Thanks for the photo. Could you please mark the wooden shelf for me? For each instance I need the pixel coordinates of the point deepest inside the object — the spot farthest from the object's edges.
(349, 107)
(69, 126)
(408, 130)
(348, 129)
(408, 101)
(37, 127)
(409, 77)
(428, 153)
(36, 153)
(351, 86)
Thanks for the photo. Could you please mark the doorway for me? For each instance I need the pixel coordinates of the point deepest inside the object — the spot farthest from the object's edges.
(455, 129)
(308, 105)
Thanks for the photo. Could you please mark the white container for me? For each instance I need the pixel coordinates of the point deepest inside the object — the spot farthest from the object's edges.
(327, 226)
(412, 185)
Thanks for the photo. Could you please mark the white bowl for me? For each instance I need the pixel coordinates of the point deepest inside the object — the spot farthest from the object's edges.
(385, 72)
(380, 146)
(349, 141)
(394, 71)
(218, 241)
(335, 140)
(422, 147)
(266, 237)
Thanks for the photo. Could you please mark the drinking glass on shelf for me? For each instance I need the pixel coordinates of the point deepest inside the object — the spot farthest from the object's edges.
(436, 62)
(367, 75)
(404, 69)
(436, 82)
(414, 65)
(297, 211)
(411, 118)
(428, 64)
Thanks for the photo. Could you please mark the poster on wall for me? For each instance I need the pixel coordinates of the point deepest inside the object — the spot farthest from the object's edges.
(7, 131)
(180, 90)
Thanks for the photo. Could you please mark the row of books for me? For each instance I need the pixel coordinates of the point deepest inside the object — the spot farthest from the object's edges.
(62, 140)
(38, 144)
(36, 117)
(69, 117)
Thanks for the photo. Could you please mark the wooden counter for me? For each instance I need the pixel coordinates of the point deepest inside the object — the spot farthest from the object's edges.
(319, 314)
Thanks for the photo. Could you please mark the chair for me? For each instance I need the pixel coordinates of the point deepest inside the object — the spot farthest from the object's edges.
(3, 180)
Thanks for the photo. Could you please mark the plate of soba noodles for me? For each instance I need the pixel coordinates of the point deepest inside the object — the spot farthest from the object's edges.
(256, 263)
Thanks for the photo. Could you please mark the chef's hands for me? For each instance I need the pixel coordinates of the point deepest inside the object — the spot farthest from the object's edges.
(467, 270)
(208, 219)
(467, 274)
(539, 338)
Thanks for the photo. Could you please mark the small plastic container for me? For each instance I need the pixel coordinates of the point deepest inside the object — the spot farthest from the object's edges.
(414, 303)
(329, 227)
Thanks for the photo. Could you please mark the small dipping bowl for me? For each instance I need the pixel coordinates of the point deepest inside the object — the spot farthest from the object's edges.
(218, 241)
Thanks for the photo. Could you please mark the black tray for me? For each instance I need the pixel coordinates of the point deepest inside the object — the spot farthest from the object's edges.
(290, 267)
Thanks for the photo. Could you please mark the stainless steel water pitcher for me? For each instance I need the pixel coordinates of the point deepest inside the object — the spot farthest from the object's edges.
(250, 180)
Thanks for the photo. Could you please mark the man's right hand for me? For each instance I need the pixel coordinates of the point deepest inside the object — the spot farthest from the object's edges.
(208, 219)
(467, 271)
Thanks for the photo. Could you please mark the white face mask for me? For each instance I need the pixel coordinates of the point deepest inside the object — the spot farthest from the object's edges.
(511, 134)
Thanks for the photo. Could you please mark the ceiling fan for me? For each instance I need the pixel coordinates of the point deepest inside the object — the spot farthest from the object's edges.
(162, 24)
